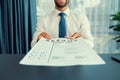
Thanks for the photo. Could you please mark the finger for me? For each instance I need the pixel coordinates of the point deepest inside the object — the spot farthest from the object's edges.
(39, 37)
(43, 34)
(75, 35)
(47, 36)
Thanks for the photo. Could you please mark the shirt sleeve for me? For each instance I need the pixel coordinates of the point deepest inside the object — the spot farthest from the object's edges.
(39, 29)
(85, 30)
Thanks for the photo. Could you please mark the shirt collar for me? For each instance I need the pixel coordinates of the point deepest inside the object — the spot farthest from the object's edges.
(67, 11)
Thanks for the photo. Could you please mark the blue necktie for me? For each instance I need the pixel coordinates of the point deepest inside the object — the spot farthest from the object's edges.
(62, 26)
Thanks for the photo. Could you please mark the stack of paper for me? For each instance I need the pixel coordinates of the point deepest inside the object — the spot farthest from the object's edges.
(61, 52)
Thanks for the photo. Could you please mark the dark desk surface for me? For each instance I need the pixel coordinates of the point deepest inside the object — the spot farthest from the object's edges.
(10, 69)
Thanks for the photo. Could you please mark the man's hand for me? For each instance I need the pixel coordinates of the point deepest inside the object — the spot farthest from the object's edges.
(74, 36)
(44, 35)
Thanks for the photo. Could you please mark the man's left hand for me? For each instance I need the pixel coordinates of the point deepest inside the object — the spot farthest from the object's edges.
(74, 36)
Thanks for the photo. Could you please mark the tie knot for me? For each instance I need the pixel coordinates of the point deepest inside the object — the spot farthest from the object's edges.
(62, 14)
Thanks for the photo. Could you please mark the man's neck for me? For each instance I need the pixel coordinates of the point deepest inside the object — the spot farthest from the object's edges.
(61, 9)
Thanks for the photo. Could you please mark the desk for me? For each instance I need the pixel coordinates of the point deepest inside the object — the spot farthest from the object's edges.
(10, 69)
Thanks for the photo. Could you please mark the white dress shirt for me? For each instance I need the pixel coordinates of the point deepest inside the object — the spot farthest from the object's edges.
(75, 22)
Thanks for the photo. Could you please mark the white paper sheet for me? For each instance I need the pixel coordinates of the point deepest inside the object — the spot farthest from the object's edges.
(61, 52)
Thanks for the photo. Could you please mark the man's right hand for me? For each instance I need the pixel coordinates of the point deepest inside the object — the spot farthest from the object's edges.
(44, 35)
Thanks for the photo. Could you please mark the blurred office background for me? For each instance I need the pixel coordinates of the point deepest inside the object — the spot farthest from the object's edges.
(17, 25)
(18, 21)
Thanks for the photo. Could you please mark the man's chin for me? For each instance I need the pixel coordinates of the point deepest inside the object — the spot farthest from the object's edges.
(61, 6)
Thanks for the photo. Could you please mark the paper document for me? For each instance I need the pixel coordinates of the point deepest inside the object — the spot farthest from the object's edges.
(61, 52)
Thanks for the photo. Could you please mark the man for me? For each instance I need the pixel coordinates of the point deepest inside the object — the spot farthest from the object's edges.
(77, 25)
